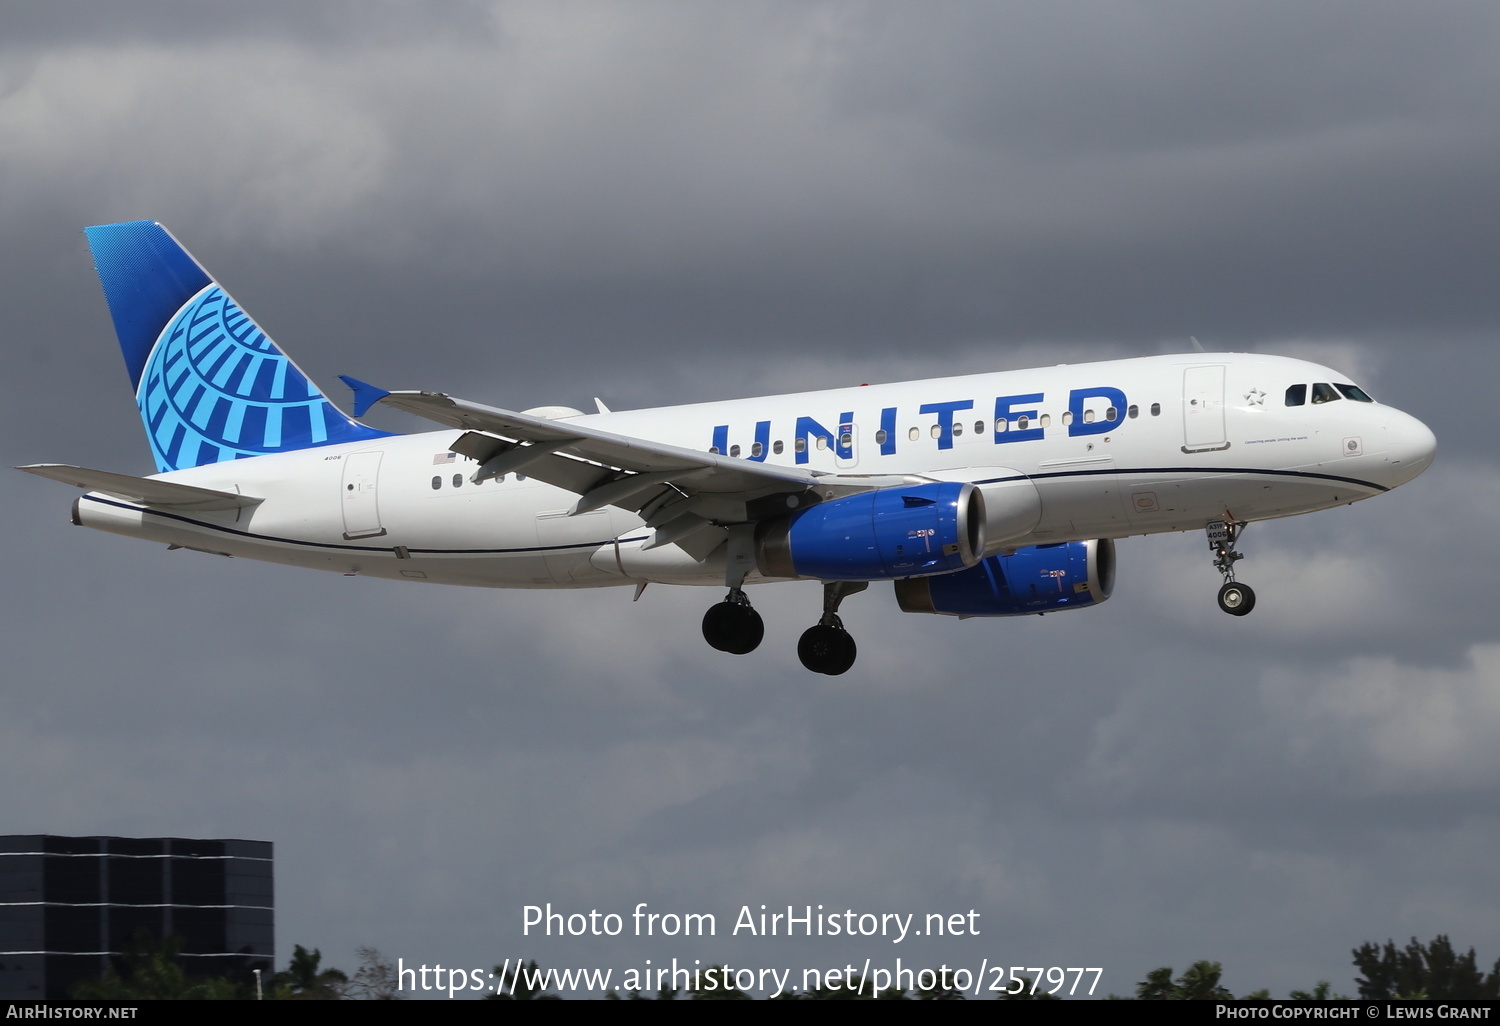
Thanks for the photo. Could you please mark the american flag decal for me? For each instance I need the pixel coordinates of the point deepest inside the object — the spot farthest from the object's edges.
(444, 457)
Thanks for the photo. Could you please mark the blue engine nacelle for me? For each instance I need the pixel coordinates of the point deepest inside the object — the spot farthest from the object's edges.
(1037, 579)
(877, 535)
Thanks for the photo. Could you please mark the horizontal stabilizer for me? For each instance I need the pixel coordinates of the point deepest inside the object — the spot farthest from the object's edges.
(365, 394)
(143, 490)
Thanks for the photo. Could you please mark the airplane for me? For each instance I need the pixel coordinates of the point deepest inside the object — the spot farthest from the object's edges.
(983, 495)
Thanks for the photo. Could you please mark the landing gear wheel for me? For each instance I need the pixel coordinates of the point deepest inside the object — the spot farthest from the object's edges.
(1236, 599)
(733, 627)
(824, 648)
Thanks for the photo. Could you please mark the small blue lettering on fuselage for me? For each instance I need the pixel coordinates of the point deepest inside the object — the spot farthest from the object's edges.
(1010, 410)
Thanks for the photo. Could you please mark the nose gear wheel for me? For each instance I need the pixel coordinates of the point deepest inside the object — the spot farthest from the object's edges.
(1235, 598)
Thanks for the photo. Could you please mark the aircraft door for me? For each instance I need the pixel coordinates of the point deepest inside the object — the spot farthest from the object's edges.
(361, 505)
(846, 451)
(1203, 409)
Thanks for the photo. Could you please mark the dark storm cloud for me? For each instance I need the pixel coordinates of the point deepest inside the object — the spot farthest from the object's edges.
(539, 203)
(869, 174)
(42, 23)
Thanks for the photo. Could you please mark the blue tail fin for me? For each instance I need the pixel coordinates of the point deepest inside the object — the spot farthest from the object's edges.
(211, 386)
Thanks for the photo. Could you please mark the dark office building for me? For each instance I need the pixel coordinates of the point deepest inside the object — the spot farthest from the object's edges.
(67, 904)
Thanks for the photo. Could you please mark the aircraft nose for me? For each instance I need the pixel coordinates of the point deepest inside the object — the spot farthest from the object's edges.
(1411, 445)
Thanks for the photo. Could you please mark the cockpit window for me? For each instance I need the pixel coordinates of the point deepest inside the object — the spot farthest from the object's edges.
(1354, 392)
(1296, 395)
(1324, 393)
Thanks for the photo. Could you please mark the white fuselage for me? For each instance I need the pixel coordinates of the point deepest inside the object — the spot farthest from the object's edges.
(1195, 438)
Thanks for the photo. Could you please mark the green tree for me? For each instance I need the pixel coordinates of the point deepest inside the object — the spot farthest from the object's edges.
(149, 970)
(375, 979)
(1199, 982)
(304, 978)
(1026, 994)
(1432, 970)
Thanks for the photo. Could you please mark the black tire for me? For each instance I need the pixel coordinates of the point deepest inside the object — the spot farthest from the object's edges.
(1236, 599)
(733, 628)
(846, 658)
(826, 649)
(718, 626)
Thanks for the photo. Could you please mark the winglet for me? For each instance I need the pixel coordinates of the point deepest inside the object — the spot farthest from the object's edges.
(365, 395)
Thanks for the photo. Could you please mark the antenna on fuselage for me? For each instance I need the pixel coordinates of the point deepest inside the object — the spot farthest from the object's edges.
(1196, 344)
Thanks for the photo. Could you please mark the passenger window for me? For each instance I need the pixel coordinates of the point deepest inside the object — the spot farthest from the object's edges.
(1000, 426)
(937, 431)
(979, 427)
(1021, 423)
(1067, 417)
(1156, 409)
(734, 450)
(713, 450)
(1133, 412)
(756, 449)
(1111, 414)
(880, 437)
(845, 440)
(801, 445)
(914, 434)
(1324, 393)
(958, 429)
(1045, 420)
(1353, 392)
(822, 441)
(1088, 416)
(458, 479)
(437, 483)
(1296, 395)
(776, 447)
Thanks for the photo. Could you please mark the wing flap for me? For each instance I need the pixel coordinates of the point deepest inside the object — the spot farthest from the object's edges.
(143, 490)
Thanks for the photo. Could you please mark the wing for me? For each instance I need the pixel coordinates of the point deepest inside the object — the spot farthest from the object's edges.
(685, 494)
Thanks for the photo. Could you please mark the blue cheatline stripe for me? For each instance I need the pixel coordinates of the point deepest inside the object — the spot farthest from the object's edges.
(1116, 471)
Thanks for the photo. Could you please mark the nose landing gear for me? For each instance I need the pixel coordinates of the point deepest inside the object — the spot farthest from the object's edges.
(1234, 598)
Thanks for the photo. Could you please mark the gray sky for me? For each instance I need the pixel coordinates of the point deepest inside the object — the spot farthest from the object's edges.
(536, 203)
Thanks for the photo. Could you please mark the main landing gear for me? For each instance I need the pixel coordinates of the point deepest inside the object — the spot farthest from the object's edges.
(733, 626)
(826, 647)
(1235, 598)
